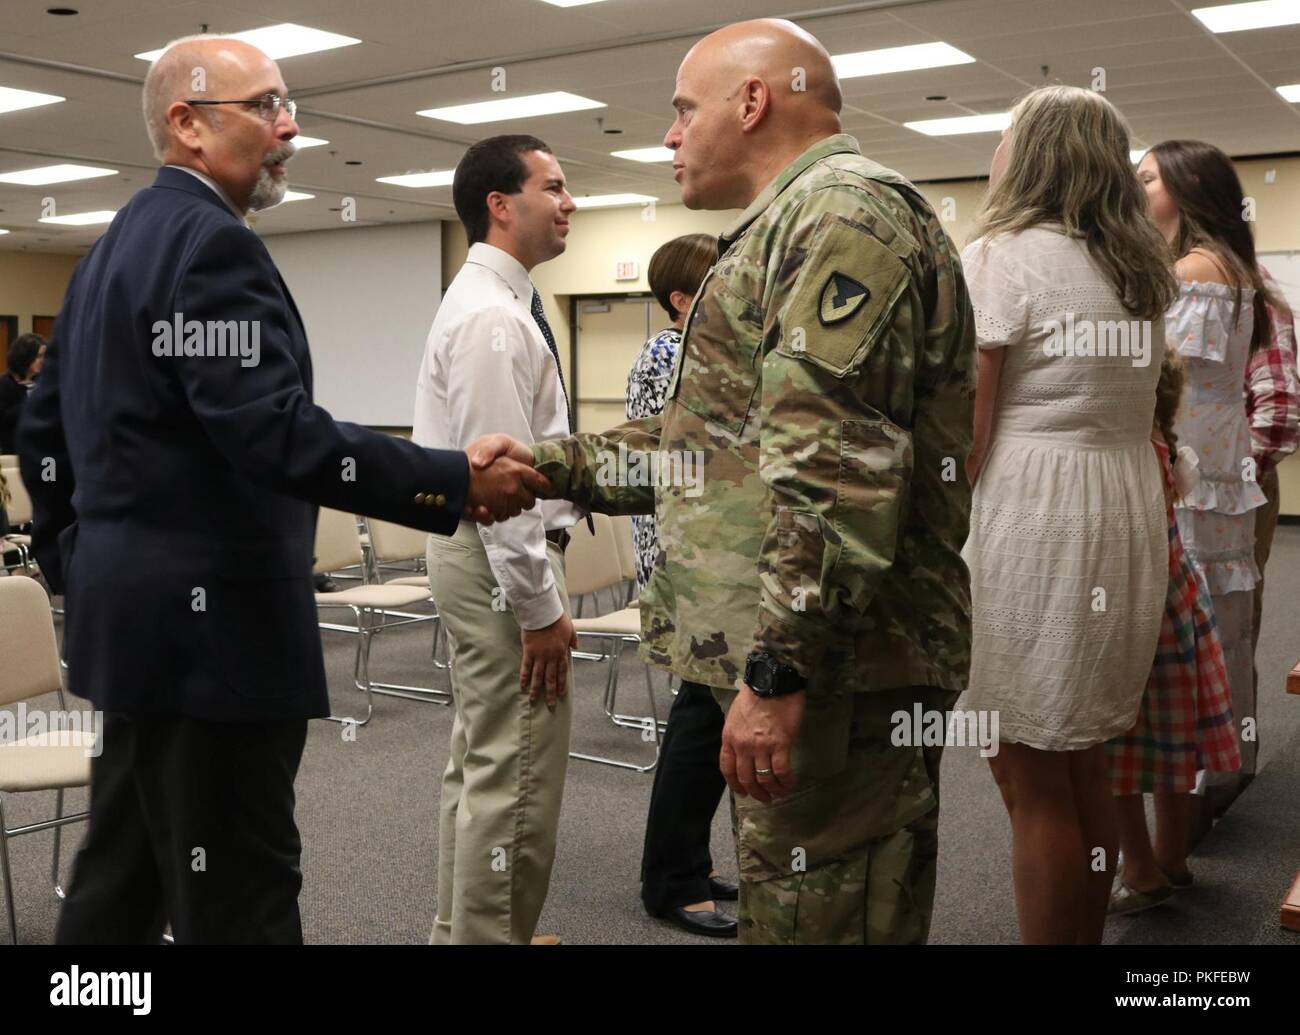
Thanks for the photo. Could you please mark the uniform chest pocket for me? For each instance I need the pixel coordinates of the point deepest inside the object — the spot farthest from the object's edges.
(715, 375)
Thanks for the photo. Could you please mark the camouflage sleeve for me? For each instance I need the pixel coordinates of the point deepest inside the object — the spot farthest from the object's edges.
(609, 473)
(839, 343)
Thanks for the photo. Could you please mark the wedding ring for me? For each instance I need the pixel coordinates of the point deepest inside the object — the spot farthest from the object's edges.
(763, 772)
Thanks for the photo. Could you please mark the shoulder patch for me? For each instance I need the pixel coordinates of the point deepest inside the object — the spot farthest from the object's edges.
(842, 296)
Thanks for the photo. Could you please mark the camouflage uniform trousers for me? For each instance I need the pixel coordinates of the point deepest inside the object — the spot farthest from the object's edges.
(850, 856)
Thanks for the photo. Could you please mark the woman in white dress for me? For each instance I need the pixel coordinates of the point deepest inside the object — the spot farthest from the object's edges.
(1067, 548)
(1217, 322)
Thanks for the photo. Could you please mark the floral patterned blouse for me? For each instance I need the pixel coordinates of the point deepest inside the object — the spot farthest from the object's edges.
(647, 388)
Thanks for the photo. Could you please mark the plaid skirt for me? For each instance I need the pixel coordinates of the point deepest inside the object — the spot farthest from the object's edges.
(1185, 721)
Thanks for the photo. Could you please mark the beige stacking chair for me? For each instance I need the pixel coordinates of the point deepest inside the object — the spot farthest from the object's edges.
(19, 510)
(338, 545)
(592, 564)
(40, 762)
(396, 547)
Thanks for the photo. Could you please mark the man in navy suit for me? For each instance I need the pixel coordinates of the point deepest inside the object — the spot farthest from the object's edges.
(175, 459)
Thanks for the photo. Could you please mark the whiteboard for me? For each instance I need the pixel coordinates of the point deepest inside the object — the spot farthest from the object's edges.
(367, 295)
(1284, 267)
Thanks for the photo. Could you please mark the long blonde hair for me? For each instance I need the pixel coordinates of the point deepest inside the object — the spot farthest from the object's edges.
(1068, 164)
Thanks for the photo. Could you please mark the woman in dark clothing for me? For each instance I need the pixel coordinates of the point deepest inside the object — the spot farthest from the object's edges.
(677, 879)
(26, 355)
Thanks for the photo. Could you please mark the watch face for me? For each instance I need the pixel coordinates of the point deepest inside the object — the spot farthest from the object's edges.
(760, 676)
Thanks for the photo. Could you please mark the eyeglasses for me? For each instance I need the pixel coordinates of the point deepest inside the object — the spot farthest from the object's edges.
(268, 105)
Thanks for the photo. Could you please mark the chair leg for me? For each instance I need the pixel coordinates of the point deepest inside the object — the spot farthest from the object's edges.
(8, 875)
(360, 668)
(58, 832)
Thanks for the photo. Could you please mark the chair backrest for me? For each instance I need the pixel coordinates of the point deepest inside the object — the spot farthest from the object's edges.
(592, 563)
(392, 542)
(31, 665)
(338, 544)
(19, 507)
(626, 542)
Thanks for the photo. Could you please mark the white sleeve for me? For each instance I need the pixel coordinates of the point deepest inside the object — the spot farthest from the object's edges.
(491, 382)
(997, 292)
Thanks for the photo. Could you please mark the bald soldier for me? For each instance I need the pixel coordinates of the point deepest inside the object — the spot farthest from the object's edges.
(815, 582)
(175, 477)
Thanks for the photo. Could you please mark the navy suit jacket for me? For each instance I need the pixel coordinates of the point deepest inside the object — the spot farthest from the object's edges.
(175, 496)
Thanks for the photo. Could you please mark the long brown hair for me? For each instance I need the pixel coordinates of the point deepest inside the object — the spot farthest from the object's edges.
(1169, 395)
(1069, 165)
(1203, 183)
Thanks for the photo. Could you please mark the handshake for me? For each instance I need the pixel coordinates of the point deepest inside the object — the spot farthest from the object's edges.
(502, 481)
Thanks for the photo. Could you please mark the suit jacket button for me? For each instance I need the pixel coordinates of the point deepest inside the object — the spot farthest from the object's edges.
(440, 500)
(420, 497)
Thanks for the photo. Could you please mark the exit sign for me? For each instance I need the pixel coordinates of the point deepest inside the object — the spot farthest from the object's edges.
(625, 270)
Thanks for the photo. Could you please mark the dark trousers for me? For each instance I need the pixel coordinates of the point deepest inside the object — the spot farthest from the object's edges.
(190, 822)
(688, 786)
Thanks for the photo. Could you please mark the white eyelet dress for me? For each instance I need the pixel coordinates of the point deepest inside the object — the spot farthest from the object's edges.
(1216, 519)
(1068, 538)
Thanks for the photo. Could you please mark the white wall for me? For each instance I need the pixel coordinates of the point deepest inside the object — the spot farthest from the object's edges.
(367, 295)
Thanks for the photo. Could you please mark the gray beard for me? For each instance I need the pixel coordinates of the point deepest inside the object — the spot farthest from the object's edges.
(267, 191)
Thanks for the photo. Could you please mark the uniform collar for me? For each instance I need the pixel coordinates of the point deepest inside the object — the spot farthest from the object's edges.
(504, 265)
(839, 143)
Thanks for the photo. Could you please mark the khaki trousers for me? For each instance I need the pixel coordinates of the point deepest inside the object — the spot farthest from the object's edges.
(504, 780)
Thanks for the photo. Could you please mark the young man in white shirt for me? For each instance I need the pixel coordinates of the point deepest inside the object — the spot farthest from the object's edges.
(491, 364)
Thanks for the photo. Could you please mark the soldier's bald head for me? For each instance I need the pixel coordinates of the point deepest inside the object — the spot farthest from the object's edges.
(794, 64)
(750, 99)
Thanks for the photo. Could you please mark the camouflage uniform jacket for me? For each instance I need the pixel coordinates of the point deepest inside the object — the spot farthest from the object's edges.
(824, 382)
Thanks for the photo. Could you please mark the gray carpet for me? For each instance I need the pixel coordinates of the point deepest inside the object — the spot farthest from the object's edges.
(368, 814)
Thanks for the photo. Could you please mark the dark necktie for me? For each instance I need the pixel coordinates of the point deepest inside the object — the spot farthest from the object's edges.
(539, 314)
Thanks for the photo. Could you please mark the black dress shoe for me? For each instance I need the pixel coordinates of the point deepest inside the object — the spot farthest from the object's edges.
(723, 890)
(711, 922)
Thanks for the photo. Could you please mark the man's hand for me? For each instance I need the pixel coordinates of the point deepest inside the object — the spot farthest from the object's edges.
(482, 451)
(758, 735)
(546, 660)
(501, 489)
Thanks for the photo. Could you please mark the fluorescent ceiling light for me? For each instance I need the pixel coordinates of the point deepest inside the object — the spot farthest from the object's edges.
(898, 59)
(54, 174)
(301, 142)
(281, 41)
(646, 154)
(1263, 14)
(294, 195)
(433, 178)
(571, 3)
(527, 107)
(610, 200)
(81, 218)
(1290, 93)
(3, 232)
(12, 99)
(1137, 154)
(962, 124)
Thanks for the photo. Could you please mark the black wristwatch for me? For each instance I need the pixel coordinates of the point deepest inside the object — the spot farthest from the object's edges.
(769, 678)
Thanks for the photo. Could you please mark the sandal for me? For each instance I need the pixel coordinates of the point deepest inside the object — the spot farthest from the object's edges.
(1126, 900)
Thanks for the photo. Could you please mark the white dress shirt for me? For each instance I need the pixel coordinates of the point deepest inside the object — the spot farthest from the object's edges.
(487, 368)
